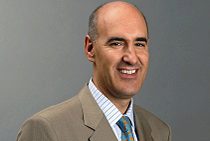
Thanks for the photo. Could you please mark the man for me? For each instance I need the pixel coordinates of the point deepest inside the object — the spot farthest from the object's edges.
(117, 46)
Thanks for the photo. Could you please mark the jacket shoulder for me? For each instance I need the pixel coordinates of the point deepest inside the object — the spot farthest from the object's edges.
(148, 115)
(55, 122)
(158, 127)
(68, 107)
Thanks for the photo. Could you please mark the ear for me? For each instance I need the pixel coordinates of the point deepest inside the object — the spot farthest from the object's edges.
(89, 49)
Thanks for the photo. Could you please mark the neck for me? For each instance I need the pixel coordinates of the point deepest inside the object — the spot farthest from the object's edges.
(121, 104)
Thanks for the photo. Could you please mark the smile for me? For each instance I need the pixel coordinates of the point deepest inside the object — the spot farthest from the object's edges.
(128, 71)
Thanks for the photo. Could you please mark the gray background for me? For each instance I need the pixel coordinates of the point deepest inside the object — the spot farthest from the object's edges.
(42, 61)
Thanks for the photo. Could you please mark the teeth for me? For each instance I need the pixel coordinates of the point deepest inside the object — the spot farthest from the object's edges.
(128, 71)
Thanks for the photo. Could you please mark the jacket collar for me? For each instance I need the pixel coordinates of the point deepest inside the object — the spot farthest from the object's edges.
(143, 128)
(94, 119)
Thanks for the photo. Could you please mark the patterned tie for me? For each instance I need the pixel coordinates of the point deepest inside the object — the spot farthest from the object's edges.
(124, 124)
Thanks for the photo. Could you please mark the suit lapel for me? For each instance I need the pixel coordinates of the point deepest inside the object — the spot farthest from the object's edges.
(142, 126)
(94, 118)
(103, 132)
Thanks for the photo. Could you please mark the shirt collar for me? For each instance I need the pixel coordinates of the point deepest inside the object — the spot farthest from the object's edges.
(110, 111)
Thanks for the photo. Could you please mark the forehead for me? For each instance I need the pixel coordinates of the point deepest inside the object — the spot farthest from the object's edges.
(122, 20)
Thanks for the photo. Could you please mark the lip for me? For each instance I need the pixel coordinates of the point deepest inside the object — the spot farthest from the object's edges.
(128, 75)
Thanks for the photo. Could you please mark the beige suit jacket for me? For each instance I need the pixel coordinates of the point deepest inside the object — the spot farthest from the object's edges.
(80, 119)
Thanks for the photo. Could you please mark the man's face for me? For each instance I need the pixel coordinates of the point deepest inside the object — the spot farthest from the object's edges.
(120, 54)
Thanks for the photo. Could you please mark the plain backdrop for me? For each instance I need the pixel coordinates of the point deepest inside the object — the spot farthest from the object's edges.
(42, 61)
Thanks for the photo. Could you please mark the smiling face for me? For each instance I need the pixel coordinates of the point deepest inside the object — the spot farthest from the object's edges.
(120, 53)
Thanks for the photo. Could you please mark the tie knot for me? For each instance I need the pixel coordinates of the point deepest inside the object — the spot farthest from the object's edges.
(124, 124)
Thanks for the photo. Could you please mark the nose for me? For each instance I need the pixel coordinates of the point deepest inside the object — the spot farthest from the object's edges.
(130, 56)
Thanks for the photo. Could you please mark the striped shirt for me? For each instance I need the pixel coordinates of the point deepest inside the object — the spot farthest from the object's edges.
(110, 111)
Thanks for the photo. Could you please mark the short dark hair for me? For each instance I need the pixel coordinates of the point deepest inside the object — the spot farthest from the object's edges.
(92, 27)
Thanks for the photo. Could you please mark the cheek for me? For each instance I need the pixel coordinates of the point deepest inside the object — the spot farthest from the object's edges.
(110, 58)
(144, 58)
(105, 63)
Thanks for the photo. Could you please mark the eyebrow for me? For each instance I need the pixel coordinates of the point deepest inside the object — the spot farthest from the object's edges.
(122, 39)
(141, 39)
(115, 39)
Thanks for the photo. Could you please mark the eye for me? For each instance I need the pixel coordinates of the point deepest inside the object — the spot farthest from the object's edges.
(116, 44)
(139, 44)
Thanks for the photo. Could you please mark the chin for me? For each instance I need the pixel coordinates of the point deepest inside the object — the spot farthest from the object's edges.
(127, 93)
(130, 89)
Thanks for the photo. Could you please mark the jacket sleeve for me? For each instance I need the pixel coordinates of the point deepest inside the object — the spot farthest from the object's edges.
(36, 129)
